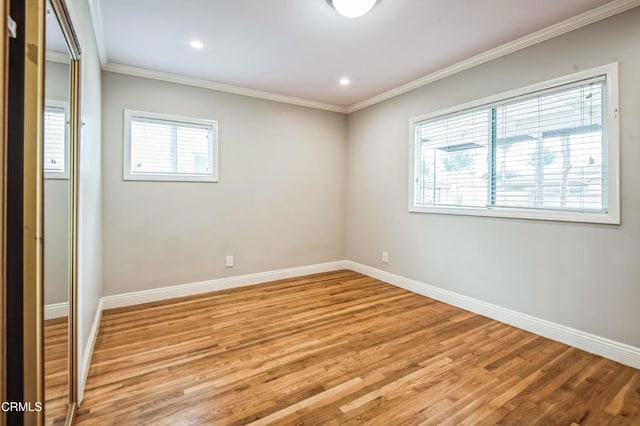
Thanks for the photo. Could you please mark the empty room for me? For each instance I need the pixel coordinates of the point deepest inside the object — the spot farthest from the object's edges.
(321, 212)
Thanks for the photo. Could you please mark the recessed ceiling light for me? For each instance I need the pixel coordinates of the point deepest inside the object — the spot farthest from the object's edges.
(344, 81)
(196, 44)
(352, 8)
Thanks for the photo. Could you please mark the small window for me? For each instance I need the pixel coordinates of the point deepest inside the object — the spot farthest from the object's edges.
(169, 148)
(549, 151)
(56, 140)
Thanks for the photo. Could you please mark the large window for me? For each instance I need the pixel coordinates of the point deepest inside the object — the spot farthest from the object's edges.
(548, 151)
(56, 140)
(163, 147)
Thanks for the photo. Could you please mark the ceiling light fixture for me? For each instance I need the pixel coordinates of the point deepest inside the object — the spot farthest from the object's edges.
(196, 44)
(352, 8)
(344, 81)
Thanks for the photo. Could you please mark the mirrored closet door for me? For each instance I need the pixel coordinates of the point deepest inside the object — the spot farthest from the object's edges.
(59, 153)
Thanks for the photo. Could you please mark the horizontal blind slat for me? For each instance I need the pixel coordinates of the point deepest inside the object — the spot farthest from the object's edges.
(55, 127)
(546, 150)
(167, 147)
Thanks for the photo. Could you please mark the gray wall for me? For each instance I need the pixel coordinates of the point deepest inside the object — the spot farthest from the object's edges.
(280, 201)
(56, 205)
(580, 275)
(90, 180)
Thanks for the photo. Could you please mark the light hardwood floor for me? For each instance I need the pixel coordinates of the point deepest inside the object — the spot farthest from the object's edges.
(340, 348)
(56, 368)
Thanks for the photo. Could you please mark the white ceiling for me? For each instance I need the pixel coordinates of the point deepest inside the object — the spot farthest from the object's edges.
(301, 48)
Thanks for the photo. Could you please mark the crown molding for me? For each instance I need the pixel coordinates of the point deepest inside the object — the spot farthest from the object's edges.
(61, 58)
(98, 30)
(221, 87)
(578, 21)
(605, 11)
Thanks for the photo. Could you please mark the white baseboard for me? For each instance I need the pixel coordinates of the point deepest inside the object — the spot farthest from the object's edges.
(163, 293)
(88, 351)
(620, 352)
(56, 310)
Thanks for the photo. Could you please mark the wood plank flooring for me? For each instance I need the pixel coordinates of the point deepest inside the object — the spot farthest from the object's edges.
(56, 390)
(340, 348)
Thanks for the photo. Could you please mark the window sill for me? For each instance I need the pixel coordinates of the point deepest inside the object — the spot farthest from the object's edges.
(170, 178)
(56, 176)
(560, 216)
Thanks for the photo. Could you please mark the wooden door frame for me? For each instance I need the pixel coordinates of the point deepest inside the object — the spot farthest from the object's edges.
(33, 181)
(22, 203)
(75, 125)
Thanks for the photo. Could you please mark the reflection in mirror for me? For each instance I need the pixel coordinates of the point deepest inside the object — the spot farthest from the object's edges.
(57, 189)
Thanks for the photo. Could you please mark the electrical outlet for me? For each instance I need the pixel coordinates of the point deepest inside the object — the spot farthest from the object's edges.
(385, 256)
(229, 261)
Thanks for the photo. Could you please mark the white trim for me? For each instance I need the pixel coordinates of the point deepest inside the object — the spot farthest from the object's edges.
(60, 58)
(620, 352)
(594, 15)
(579, 21)
(608, 70)
(515, 213)
(220, 87)
(612, 216)
(56, 310)
(164, 293)
(171, 177)
(88, 352)
(98, 30)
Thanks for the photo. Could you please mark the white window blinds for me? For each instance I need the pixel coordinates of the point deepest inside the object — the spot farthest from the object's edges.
(55, 127)
(451, 163)
(165, 147)
(545, 150)
(550, 151)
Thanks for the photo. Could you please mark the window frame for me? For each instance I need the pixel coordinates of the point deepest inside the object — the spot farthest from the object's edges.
(611, 133)
(130, 114)
(64, 174)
